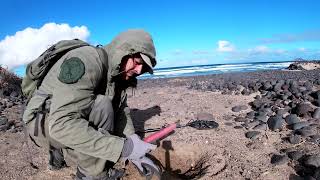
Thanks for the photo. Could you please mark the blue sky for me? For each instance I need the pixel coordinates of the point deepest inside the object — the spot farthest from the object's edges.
(185, 32)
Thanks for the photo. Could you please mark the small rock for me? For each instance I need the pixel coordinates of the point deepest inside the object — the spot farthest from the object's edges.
(312, 161)
(252, 124)
(239, 108)
(3, 120)
(252, 134)
(305, 132)
(250, 114)
(228, 123)
(300, 125)
(240, 119)
(279, 159)
(4, 127)
(238, 127)
(292, 119)
(295, 155)
(294, 139)
(261, 126)
(275, 122)
(262, 118)
(316, 174)
(315, 139)
(302, 109)
(316, 113)
(14, 94)
(281, 112)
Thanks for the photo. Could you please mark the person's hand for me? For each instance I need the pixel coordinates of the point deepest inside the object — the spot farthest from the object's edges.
(134, 148)
(146, 167)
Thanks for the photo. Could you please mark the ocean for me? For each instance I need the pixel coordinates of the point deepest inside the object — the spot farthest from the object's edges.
(214, 69)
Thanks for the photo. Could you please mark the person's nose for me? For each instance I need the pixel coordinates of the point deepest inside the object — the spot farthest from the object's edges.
(138, 69)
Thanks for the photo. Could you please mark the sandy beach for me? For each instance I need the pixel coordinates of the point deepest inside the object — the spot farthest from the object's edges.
(251, 142)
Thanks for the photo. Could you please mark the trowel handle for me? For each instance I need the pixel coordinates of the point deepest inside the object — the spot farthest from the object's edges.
(158, 135)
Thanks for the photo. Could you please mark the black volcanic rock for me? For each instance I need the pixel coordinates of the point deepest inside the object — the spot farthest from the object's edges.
(295, 155)
(275, 123)
(4, 124)
(294, 139)
(252, 134)
(316, 113)
(312, 161)
(279, 159)
(239, 108)
(292, 119)
(302, 109)
(299, 125)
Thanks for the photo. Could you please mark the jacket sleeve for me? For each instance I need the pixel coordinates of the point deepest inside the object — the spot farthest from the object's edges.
(70, 107)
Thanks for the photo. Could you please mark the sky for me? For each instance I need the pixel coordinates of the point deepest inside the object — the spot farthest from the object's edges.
(184, 32)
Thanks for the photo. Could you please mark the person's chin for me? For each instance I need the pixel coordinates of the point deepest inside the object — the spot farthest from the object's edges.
(128, 78)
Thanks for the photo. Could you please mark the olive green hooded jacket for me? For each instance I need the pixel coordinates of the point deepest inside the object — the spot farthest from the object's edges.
(71, 102)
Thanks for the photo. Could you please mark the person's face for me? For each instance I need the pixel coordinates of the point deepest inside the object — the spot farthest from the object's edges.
(133, 66)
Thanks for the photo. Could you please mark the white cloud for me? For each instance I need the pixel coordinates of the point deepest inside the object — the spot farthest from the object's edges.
(225, 46)
(259, 49)
(302, 49)
(177, 52)
(29, 43)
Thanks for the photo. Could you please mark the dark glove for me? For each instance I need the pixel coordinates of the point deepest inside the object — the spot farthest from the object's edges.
(146, 167)
(135, 148)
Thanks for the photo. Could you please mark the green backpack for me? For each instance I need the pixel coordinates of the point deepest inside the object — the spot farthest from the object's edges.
(38, 68)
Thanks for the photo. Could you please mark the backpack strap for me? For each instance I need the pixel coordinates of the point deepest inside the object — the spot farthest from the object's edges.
(103, 56)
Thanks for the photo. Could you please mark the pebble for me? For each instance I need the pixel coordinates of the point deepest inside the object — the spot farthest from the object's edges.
(252, 124)
(312, 161)
(228, 123)
(294, 139)
(295, 155)
(238, 127)
(316, 174)
(4, 127)
(275, 122)
(251, 114)
(302, 109)
(261, 126)
(4, 124)
(3, 120)
(240, 119)
(316, 113)
(315, 139)
(300, 125)
(239, 108)
(262, 118)
(292, 119)
(305, 132)
(279, 159)
(252, 134)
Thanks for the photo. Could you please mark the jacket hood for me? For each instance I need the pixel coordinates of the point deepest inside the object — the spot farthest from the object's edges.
(129, 42)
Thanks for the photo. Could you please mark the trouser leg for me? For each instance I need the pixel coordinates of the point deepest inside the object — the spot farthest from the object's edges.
(102, 119)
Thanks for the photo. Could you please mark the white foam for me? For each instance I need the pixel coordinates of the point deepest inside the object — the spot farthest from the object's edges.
(214, 69)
